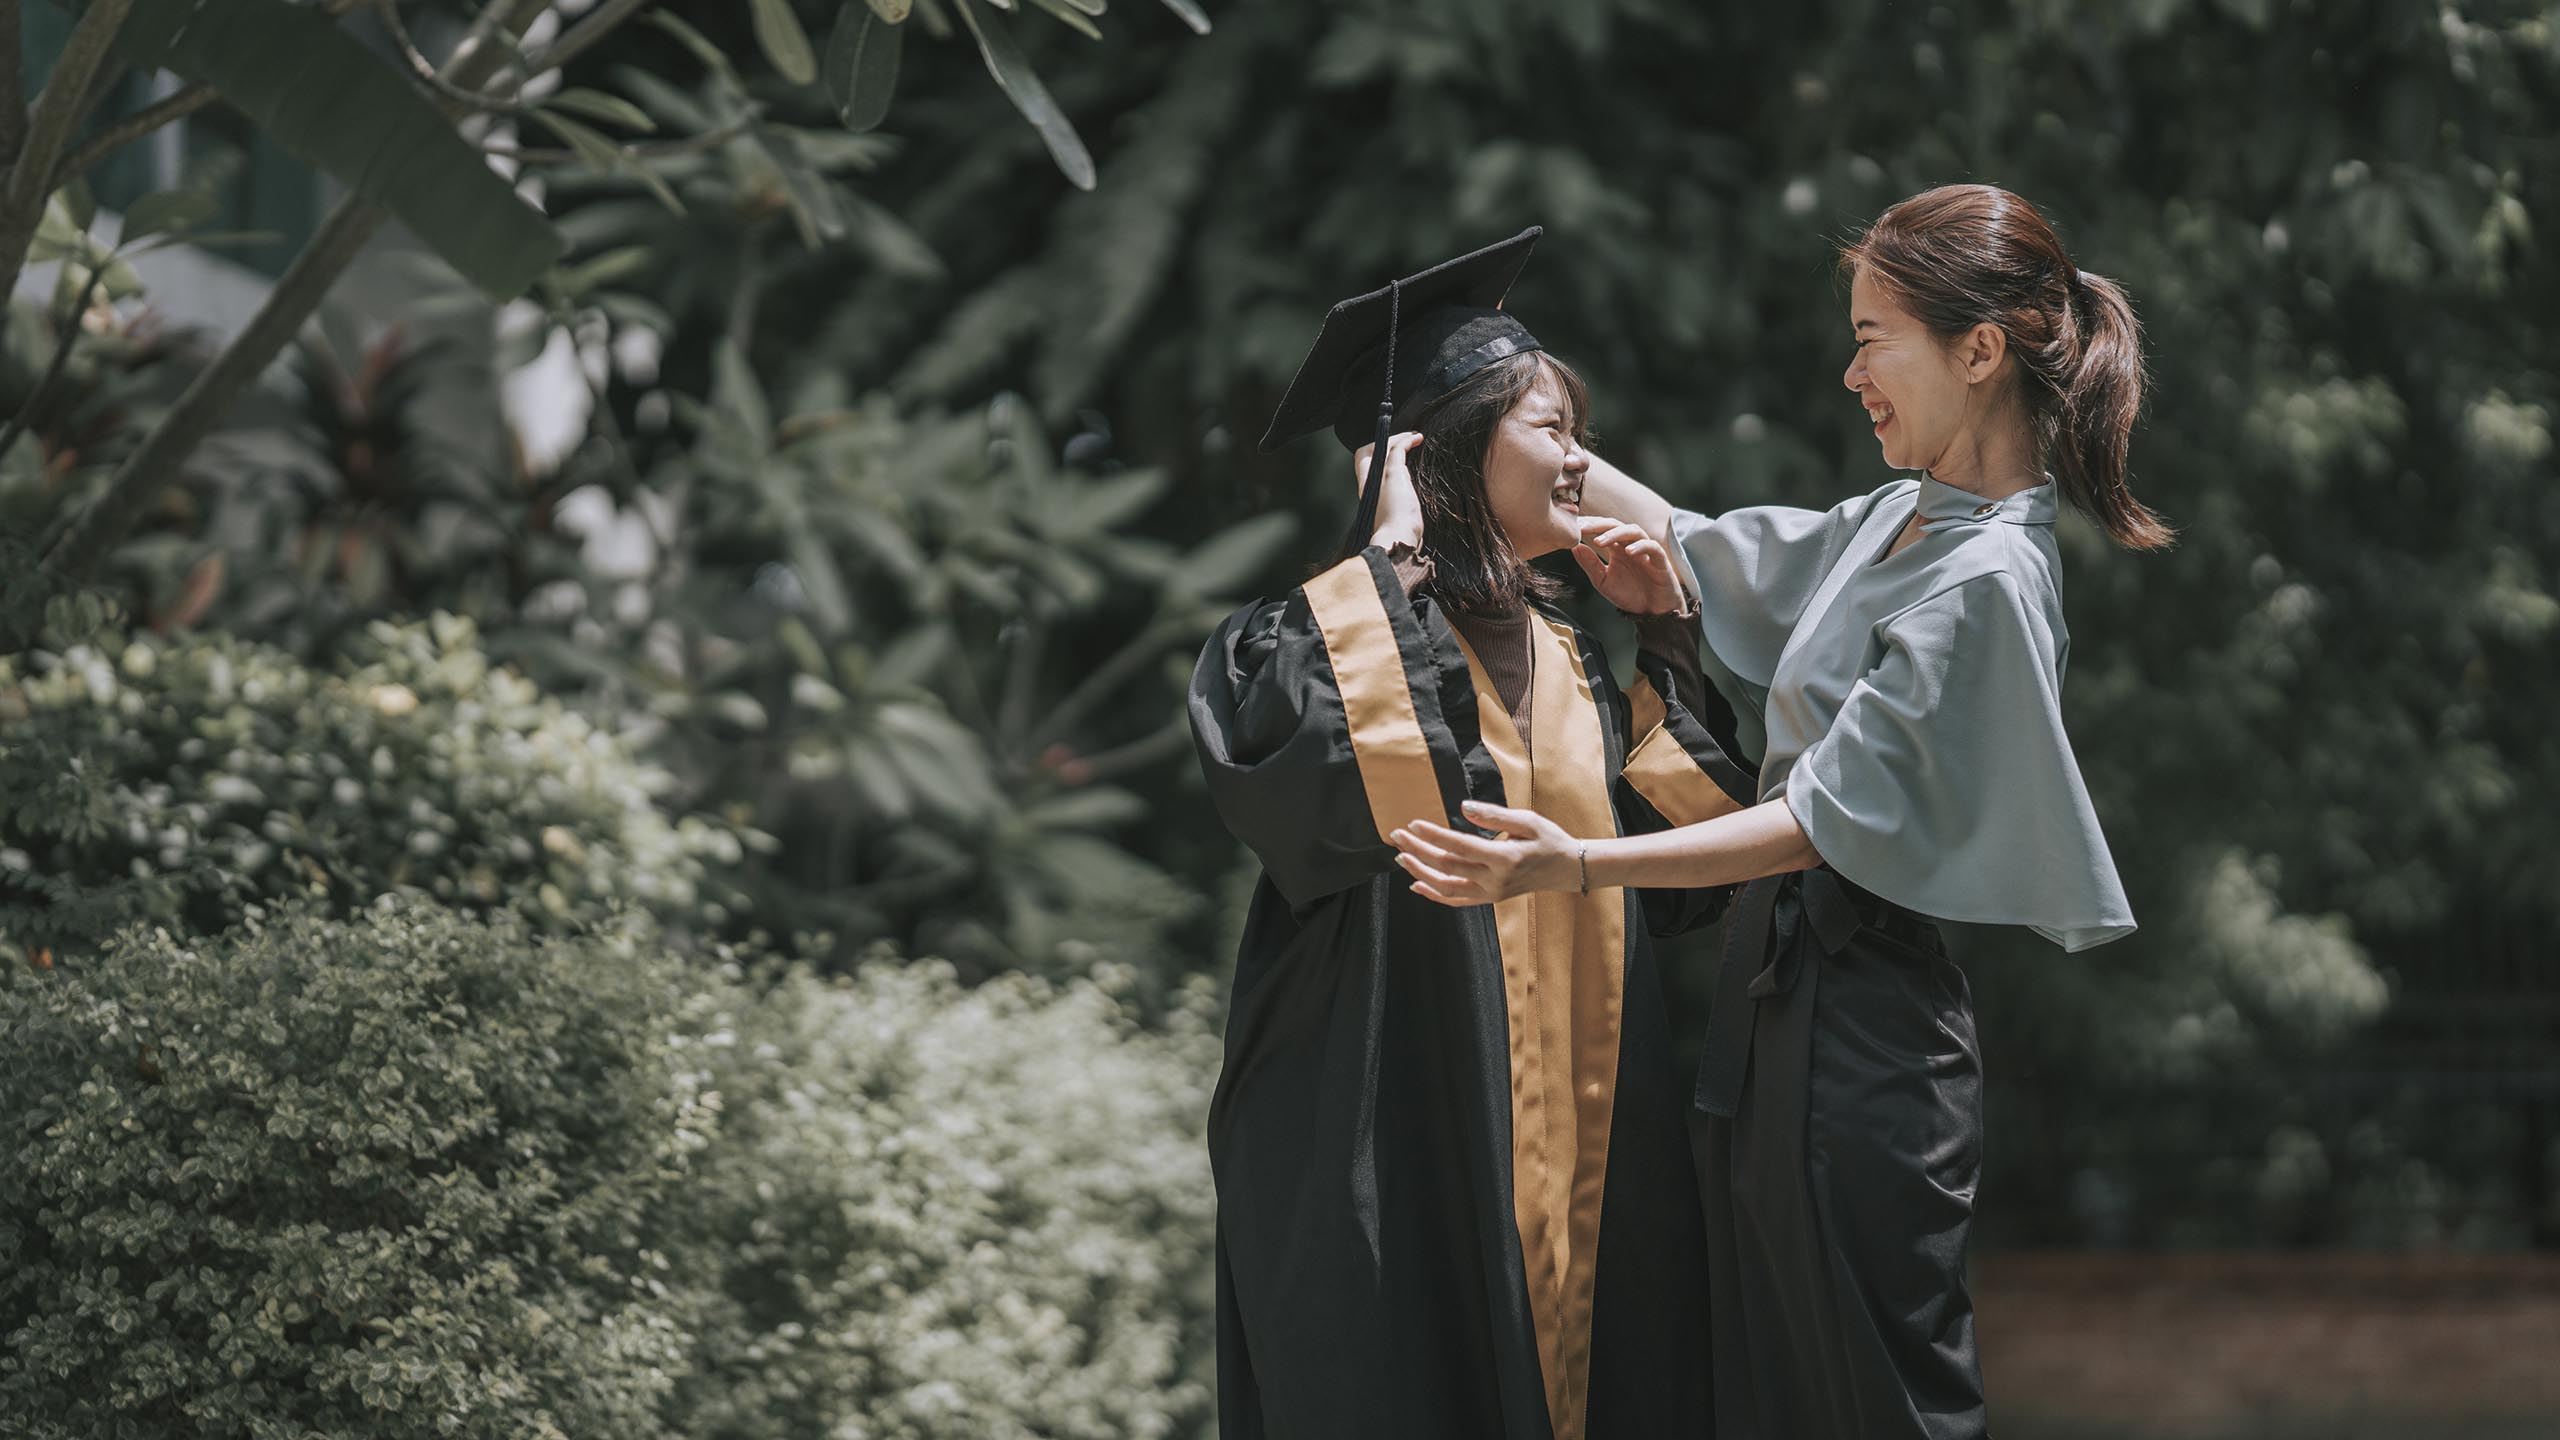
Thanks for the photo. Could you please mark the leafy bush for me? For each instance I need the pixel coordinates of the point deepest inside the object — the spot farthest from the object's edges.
(421, 1173)
(385, 1177)
(946, 1212)
(182, 781)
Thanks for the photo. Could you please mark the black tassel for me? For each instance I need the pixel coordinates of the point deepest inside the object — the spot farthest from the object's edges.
(1364, 516)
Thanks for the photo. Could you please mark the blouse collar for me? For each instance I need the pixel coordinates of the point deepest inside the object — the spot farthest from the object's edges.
(1944, 504)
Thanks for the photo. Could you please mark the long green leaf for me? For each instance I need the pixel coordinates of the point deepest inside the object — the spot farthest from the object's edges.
(862, 65)
(607, 158)
(591, 145)
(162, 211)
(576, 280)
(1233, 555)
(820, 581)
(1192, 15)
(711, 56)
(893, 11)
(1071, 17)
(811, 199)
(597, 105)
(1022, 86)
(325, 97)
(205, 240)
(785, 43)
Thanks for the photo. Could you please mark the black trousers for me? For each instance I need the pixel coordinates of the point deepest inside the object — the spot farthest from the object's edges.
(1838, 1134)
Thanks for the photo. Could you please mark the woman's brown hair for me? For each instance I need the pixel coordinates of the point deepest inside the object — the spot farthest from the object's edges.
(1966, 255)
(1474, 568)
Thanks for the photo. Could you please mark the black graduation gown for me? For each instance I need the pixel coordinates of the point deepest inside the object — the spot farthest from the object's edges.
(1398, 1073)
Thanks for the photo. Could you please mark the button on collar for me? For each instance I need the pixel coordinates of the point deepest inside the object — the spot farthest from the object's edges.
(1940, 504)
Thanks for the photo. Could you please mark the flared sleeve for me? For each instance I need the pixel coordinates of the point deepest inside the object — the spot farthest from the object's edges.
(1947, 784)
(1680, 766)
(1320, 727)
(1755, 570)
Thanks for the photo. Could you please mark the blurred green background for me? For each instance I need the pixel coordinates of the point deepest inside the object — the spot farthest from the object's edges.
(864, 484)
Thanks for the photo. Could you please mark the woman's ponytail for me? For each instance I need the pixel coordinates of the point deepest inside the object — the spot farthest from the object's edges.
(2100, 396)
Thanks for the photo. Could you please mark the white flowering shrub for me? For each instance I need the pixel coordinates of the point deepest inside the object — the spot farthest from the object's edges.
(382, 1177)
(938, 1213)
(419, 1173)
(182, 781)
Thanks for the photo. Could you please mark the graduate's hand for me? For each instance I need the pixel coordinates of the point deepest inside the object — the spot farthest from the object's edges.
(1628, 567)
(1527, 852)
(1399, 507)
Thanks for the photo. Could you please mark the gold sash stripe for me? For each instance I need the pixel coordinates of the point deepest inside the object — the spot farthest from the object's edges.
(1368, 669)
(1663, 771)
(1563, 982)
(1646, 704)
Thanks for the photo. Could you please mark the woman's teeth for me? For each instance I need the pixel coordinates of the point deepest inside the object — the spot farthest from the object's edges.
(1878, 412)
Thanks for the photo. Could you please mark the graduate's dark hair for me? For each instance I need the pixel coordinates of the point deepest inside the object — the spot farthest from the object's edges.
(1966, 255)
(1474, 568)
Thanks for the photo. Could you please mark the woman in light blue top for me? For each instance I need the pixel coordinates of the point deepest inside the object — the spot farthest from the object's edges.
(1903, 652)
(1912, 701)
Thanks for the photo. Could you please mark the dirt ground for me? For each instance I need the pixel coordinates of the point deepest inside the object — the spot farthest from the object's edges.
(2270, 1347)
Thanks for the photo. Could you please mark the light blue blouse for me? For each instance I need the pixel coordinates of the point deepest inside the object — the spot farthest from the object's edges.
(1912, 704)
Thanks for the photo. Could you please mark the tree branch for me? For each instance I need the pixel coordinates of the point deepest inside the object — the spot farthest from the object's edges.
(599, 23)
(13, 97)
(176, 105)
(158, 460)
(1144, 753)
(1144, 649)
(161, 456)
(49, 122)
(423, 70)
(61, 355)
(644, 150)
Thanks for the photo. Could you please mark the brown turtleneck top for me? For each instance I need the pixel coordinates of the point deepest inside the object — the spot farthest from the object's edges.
(1501, 643)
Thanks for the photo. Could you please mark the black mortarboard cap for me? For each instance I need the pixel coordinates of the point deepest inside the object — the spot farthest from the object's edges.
(1409, 343)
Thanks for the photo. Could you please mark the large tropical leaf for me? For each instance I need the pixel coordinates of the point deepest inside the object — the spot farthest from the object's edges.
(1021, 84)
(322, 95)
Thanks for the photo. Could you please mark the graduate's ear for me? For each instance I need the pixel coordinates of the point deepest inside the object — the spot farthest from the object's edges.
(1979, 351)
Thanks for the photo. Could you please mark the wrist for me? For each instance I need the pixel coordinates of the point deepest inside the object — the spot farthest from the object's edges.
(1599, 864)
(1685, 607)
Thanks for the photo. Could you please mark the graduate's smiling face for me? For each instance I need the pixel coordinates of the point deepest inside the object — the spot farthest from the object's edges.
(1924, 396)
(1533, 469)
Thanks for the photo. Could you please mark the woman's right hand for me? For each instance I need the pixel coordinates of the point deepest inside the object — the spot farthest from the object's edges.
(1399, 506)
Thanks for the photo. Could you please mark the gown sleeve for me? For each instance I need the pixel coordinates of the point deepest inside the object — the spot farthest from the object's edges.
(1947, 785)
(1680, 767)
(1755, 570)
(1320, 727)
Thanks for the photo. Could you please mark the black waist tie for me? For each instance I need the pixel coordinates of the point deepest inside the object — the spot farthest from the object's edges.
(1762, 960)
(1837, 1131)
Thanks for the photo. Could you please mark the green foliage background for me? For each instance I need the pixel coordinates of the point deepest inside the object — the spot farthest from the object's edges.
(2313, 728)
(819, 707)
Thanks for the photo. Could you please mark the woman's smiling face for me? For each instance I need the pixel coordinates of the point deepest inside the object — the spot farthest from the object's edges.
(1533, 469)
(1916, 389)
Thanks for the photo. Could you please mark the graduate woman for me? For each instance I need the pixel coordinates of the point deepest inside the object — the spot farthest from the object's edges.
(1454, 1199)
(1905, 651)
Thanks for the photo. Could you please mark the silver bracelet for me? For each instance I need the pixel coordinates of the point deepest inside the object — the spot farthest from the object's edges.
(1582, 864)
